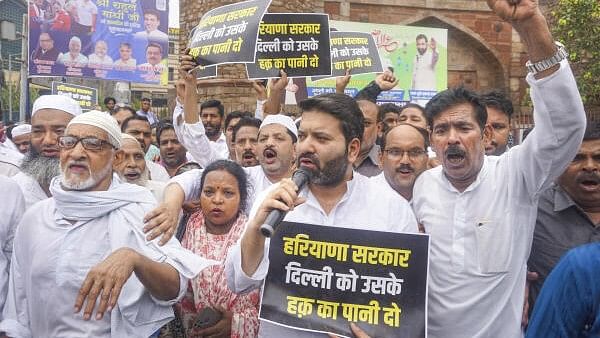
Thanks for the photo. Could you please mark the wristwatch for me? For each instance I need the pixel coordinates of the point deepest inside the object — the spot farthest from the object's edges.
(545, 64)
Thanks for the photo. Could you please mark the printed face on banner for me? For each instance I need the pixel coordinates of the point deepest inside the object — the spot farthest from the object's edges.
(296, 43)
(228, 34)
(322, 279)
(105, 39)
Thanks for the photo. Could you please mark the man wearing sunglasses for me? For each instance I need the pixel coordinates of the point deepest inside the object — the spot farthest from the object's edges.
(81, 264)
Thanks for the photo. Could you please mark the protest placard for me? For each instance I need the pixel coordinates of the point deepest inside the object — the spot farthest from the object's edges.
(228, 34)
(354, 51)
(297, 43)
(123, 40)
(418, 57)
(86, 97)
(322, 279)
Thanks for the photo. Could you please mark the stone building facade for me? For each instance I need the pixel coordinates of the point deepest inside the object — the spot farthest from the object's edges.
(483, 51)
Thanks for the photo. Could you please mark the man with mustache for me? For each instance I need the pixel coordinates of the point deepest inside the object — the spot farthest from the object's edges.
(49, 118)
(367, 163)
(479, 210)
(568, 212)
(172, 152)
(81, 266)
(21, 137)
(272, 145)
(245, 138)
(131, 167)
(499, 112)
(403, 158)
(328, 143)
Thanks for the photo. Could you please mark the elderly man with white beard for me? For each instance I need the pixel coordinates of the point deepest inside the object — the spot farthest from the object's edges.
(49, 118)
(81, 255)
(131, 167)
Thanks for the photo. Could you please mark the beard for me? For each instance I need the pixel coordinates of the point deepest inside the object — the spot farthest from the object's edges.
(141, 181)
(91, 181)
(42, 168)
(333, 171)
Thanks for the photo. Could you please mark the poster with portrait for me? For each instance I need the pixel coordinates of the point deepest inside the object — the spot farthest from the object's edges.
(322, 279)
(418, 57)
(123, 40)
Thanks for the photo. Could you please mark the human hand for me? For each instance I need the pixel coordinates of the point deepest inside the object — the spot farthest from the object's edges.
(280, 83)
(341, 82)
(261, 91)
(357, 331)
(161, 221)
(222, 329)
(106, 280)
(284, 197)
(514, 10)
(186, 64)
(531, 277)
(386, 80)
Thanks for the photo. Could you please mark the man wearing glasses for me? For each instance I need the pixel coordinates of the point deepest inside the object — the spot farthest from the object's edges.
(81, 264)
(403, 158)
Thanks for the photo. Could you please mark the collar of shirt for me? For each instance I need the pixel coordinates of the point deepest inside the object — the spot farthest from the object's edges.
(221, 139)
(562, 200)
(480, 177)
(373, 156)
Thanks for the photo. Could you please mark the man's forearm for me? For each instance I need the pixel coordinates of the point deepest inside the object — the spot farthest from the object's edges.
(273, 104)
(537, 37)
(190, 103)
(252, 248)
(160, 279)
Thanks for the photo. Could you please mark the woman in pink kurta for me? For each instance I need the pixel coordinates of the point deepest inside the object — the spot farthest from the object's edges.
(210, 233)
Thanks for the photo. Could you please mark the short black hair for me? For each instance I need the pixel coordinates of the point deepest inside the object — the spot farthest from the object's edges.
(422, 131)
(118, 109)
(152, 11)
(592, 131)
(452, 97)
(236, 114)
(245, 122)
(161, 127)
(213, 104)
(497, 99)
(236, 171)
(154, 44)
(387, 108)
(108, 99)
(135, 117)
(343, 108)
(416, 106)
(421, 36)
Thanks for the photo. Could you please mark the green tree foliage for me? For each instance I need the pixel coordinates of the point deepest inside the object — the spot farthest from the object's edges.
(576, 23)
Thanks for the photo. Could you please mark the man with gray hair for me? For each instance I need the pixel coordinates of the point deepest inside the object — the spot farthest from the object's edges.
(83, 249)
(131, 167)
(49, 118)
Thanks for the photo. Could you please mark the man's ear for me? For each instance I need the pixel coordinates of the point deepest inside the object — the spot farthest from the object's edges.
(353, 150)
(380, 129)
(119, 157)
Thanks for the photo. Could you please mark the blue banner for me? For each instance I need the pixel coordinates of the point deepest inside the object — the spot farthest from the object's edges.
(123, 40)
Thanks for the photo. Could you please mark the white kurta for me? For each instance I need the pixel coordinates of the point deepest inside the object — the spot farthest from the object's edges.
(363, 206)
(481, 238)
(32, 191)
(193, 138)
(10, 160)
(52, 257)
(13, 207)
(157, 172)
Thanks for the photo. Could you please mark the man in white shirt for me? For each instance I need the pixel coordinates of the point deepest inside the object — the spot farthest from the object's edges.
(146, 111)
(131, 167)
(245, 141)
(424, 64)
(21, 137)
(10, 159)
(125, 61)
(73, 58)
(139, 127)
(328, 144)
(100, 59)
(10, 215)
(85, 22)
(480, 211)
(81, 267)
(403, 158)
(151, 24)
(49, 118)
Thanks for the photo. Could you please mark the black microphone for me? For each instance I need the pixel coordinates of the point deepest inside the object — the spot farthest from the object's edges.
(300, 177)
